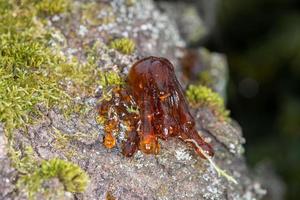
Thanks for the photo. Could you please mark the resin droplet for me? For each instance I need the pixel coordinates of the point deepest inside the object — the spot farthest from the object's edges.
(109, 141)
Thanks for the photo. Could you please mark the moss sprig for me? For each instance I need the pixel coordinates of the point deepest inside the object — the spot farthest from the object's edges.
(52, 7)
(199, 95)
(220, 172)
(124, 45)
(110, 78)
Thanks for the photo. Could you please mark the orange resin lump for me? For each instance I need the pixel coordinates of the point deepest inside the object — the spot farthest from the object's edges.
(164, 111)
(151, 107)
(117, 110)
(109, 141)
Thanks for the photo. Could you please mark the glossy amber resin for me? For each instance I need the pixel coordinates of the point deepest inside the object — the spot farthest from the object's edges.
(163, 110)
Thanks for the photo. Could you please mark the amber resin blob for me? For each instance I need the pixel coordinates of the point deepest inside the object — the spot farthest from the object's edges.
(163, 111)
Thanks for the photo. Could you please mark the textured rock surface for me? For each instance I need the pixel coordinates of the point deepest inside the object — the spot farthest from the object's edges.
(176, 173)
(7, 173)
(190, 25)
(195, 19)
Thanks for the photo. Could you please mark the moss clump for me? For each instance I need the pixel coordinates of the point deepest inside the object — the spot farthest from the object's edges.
(199, 95)
(73, 178)
(25, 65)
(24, 79)
(33, 174)
(124, 45)
(52, 7)
(71, 175)
(110, 78)
(30, 69)
(108, 81)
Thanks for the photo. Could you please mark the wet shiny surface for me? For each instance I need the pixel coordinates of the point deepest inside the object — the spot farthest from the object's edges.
(163, 110)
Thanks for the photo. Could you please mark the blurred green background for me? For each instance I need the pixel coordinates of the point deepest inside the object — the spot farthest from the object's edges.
(261, 39)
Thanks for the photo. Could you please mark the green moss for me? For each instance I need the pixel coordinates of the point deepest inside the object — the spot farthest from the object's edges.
(93, 52)
(52, 7)
(27, 166)
(73, 178)
(24, 163)
(33, 174)
(62, 143)
(24, 80)
(108, 81)
(110, 78)
(34, 7)
(132, 109)
(124, 45)
(103, 78)
(199, 95)
(84, 75)
(71, 175)
(16, 20)
(91, 17)
(31, 70)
